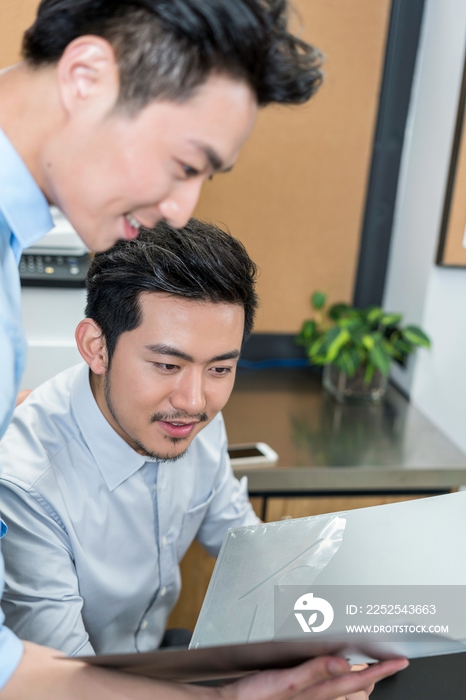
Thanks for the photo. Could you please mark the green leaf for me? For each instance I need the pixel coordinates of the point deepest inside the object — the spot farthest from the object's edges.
(344, 363)
(368, 342)
(374, 314)
(415, 336)
(351, 324)
(336, 311)
(358, 332)
(403, 347)
(337, 343)
(348, 361)
(361, 353)
(389, 348)
(320, 345)
(369, 373)
(318, 300)
(317, 359)
(390, 319)
(308, 331)
(380, 359)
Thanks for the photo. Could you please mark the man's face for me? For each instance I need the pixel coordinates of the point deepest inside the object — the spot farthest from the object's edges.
(108, 172)
(170, 376)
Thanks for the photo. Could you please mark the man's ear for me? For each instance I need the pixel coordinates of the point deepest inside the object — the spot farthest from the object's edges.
(92, 346)
(88, 75)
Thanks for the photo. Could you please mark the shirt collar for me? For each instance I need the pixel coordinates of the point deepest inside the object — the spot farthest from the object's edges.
(116, 460)
(22, 202)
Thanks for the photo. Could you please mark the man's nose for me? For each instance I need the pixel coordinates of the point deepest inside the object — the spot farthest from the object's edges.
(189, 395)
(177, 207)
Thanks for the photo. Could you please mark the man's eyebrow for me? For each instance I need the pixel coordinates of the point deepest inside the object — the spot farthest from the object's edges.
(214, 160)
(162, 349)
(232, 355)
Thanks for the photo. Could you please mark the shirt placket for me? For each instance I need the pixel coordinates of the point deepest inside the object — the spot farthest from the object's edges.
(10, 320)
(148, 633)
(166, 563)
(145, 631)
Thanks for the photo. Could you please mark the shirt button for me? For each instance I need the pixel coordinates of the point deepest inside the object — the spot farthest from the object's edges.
(164, 541)
(163, 591)
(154, 488)
(144, 624)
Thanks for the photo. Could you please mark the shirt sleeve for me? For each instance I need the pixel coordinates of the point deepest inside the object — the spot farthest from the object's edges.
(44, 607)
(230, 506)
(8, 385)
(11, 649)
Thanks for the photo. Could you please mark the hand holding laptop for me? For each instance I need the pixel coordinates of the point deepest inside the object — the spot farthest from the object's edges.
(324, 678)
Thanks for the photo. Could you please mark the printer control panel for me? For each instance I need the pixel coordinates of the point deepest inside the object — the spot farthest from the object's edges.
(58, 259)
(59, 270)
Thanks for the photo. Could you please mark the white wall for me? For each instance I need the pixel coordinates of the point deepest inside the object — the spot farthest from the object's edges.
(50, 317)
(51, 314)
(428, 295)
(439, 386)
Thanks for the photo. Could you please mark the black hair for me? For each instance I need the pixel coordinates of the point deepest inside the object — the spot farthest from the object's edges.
(167, 48)
(199, 262)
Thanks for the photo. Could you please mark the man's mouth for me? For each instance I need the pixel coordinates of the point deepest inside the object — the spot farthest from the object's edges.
(177, 429)
(131, 226)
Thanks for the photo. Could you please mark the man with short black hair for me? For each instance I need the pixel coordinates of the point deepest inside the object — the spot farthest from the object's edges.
(112, 468)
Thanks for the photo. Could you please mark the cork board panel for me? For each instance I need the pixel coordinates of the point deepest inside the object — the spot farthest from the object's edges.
(452, 245)
(15, 17)
(285, 508)
(296, 195)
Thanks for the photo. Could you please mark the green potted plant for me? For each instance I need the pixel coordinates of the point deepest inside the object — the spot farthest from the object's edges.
(356, 346)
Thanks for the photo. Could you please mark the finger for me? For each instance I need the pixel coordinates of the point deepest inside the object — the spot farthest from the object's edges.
(314, 672)
(364, 694)
(352, 682)
(361, 695)
(318, 670)
(22, 396)
(289, 683)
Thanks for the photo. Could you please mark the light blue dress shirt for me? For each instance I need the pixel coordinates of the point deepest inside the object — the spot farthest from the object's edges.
(24, 218)
(96, 529)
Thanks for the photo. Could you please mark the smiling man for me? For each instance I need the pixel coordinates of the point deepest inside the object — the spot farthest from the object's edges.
(122, 109)
(112, 468)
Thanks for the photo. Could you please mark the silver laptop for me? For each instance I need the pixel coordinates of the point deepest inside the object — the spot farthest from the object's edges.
(410, 544)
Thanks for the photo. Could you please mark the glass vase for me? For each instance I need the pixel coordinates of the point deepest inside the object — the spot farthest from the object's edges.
(345, 388)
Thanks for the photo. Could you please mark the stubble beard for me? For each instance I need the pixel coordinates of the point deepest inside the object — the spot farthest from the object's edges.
(159, 457)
